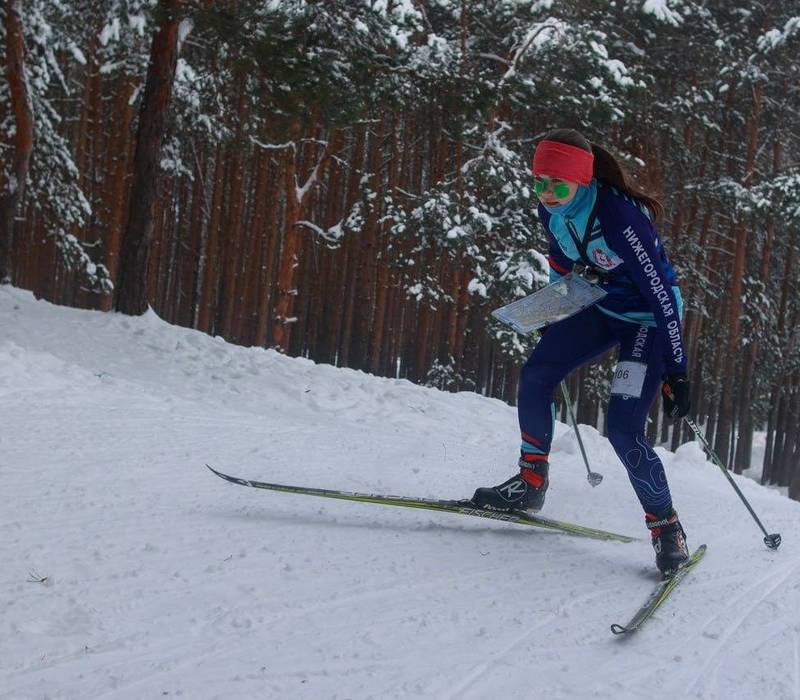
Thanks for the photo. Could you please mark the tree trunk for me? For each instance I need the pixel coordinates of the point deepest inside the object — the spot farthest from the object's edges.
(297, 199)
(245, 322)
(381, 303)
(270, 242)
(234, 234)
(117, 188)
(786, 464)
(725, 423)
(22, 108)
(209, 293)
(132, 290)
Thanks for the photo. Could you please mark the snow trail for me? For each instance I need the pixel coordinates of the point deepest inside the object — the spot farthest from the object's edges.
(164, 580)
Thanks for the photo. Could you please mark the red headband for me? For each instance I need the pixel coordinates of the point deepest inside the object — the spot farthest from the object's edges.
(563, 161)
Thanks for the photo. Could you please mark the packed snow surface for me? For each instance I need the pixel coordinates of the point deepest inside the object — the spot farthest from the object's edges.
(131, 571)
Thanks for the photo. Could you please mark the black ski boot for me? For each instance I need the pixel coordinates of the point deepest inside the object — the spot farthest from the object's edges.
(669, 541)
(523, 491)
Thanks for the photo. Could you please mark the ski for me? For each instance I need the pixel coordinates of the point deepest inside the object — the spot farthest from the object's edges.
(459, 507)
(659, 595)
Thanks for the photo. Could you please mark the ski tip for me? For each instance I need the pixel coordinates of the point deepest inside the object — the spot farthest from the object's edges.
(619, 629)
(223, 476)
(231, 479)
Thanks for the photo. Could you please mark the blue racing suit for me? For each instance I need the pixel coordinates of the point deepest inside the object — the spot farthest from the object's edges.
(613, 235)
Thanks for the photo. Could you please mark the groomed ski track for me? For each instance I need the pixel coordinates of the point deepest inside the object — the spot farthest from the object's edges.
(162, 581)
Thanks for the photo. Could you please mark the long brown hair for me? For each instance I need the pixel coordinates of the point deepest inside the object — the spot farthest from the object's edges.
(607, 168)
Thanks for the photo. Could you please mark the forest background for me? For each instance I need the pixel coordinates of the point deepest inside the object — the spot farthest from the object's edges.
(348, 180)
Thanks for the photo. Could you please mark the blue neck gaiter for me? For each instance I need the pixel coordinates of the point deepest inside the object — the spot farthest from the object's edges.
(584, 198)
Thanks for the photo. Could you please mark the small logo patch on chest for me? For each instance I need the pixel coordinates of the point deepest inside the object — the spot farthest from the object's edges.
(607, 262)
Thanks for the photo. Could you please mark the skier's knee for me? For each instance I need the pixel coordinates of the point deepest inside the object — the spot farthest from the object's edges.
(621, 439)
(537, 378)
(617, 438)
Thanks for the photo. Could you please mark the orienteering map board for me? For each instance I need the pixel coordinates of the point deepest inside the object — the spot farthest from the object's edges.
(555, 302)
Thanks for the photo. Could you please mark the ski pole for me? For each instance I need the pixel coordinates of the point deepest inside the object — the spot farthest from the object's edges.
(772, 541)
(592, 477)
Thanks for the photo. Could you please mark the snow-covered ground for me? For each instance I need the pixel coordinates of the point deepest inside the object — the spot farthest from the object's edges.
(163, 580)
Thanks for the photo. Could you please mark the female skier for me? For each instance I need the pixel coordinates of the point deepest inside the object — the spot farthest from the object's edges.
(595, 218)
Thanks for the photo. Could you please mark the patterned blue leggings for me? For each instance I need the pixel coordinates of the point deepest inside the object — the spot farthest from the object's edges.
(573, 342)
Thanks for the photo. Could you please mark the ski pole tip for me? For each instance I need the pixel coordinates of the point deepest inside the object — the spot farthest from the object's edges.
(773, 541)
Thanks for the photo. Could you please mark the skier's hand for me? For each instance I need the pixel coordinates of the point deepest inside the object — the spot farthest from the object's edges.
(675, 391)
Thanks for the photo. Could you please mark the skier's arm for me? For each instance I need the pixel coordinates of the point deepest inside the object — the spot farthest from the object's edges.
(629, 233)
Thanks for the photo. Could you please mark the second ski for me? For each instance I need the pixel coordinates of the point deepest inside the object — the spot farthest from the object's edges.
(659, 595)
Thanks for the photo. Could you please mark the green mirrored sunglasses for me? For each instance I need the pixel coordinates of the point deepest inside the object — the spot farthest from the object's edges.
(541, 184)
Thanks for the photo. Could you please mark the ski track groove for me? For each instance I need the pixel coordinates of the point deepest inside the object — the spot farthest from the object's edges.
(180, 654)
(164, 653)
(778, 578)
(165, 649)
(796, 650)
(191, 656)
(294, 613)
(170, 647)
(496, 656)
